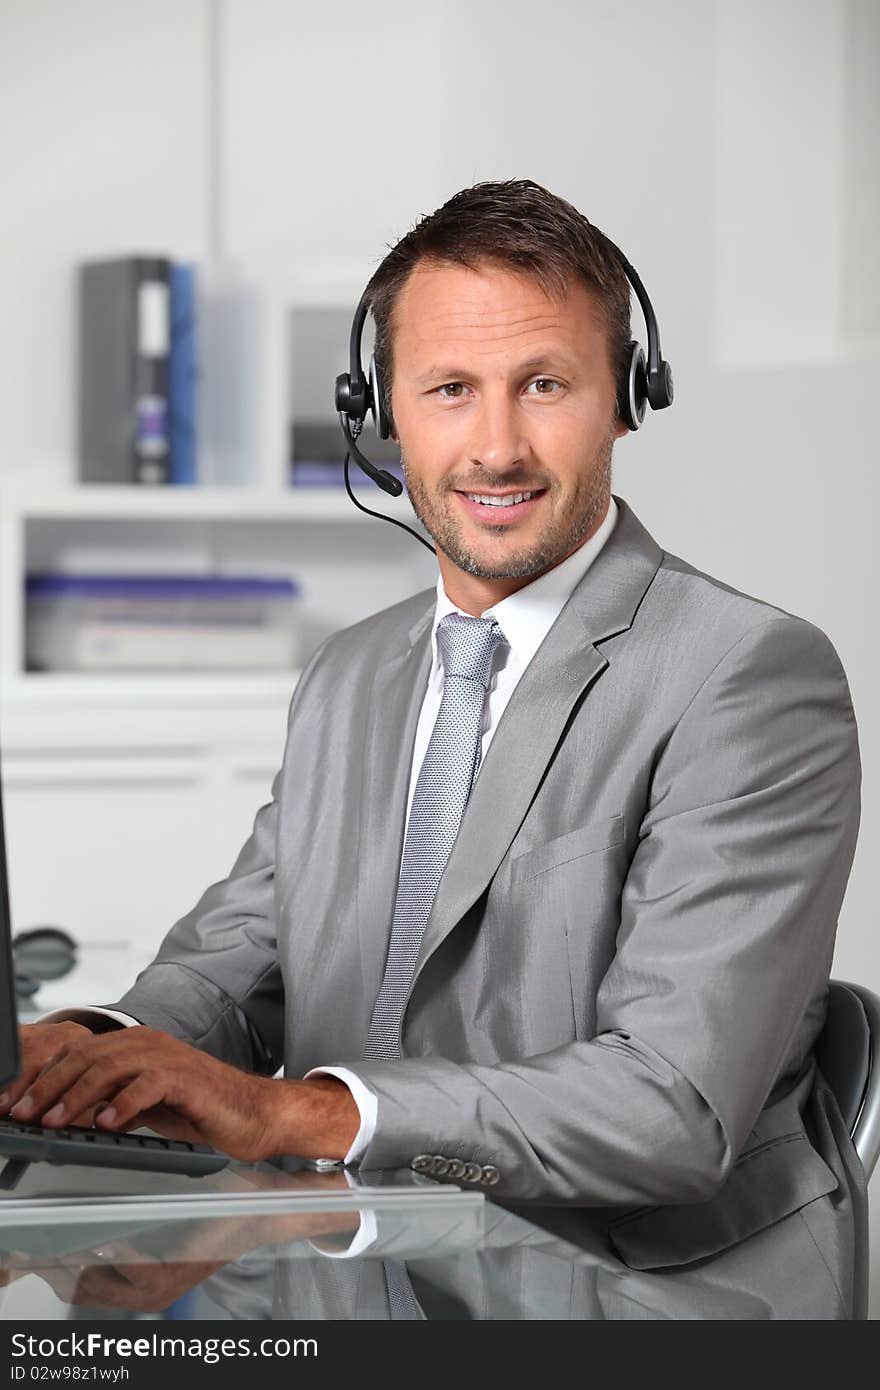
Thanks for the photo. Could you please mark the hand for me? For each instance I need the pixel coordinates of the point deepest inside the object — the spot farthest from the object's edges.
(138, 1076)
(124, 1279)
(39, 1045)
(129, 1274)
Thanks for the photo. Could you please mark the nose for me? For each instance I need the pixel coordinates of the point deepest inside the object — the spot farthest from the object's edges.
(497, 439)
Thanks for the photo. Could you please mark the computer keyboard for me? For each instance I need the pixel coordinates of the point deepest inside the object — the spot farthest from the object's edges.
(75, 1144)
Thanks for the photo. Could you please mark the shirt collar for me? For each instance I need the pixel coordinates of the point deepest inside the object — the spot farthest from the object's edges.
(527, 616)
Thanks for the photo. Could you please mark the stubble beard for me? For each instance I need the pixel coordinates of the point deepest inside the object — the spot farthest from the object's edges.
(561, 537)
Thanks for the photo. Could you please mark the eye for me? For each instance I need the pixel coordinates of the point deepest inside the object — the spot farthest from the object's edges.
(450, 386)
(543, 382)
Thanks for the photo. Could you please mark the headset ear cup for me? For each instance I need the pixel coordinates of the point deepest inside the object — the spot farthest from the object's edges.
(632, 398)
(380, 417)
(661, 388)
(342, 397)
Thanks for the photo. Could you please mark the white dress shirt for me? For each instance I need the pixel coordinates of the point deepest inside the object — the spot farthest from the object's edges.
(525, 618)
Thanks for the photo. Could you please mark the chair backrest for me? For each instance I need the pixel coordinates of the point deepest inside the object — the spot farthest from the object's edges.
(848, 1054)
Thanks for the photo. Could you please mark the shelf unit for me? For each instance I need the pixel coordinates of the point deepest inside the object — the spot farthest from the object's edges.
(214, 528)
(297, 504)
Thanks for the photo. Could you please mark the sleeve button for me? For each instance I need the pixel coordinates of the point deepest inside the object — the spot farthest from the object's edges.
(490, 1175)
(439, 1165)
(456, 1168)
(422, 1164)
(472, 1172)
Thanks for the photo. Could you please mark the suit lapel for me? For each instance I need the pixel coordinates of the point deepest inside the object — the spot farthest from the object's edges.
(567, 663)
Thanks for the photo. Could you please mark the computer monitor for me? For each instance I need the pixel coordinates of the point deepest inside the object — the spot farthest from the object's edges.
(9, 1054)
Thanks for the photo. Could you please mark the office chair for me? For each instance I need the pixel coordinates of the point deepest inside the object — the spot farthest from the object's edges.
(848, 1054)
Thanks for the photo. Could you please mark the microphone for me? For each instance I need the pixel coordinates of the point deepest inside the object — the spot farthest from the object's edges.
(380, 476)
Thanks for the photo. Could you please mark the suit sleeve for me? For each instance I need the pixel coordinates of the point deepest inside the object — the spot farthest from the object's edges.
(216, 980)
(727, 921)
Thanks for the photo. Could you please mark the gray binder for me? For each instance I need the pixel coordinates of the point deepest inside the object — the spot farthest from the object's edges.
(124, 345)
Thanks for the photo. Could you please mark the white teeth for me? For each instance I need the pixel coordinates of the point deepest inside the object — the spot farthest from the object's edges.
(500, 501)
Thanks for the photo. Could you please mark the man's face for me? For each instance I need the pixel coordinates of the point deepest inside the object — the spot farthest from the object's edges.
(498, 390)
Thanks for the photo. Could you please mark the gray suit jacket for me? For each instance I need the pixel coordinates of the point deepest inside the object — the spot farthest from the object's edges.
(625, 967)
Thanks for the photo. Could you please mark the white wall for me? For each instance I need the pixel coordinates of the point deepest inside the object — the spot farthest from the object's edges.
(730, 148)
(103, 137)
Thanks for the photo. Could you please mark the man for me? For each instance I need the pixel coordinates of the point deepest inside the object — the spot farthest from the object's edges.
(611, 998)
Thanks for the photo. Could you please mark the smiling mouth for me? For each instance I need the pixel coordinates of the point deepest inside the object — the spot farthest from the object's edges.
(500, 501)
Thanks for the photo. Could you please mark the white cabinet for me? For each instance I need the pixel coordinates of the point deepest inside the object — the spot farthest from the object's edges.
(120, 839)
(126, 795)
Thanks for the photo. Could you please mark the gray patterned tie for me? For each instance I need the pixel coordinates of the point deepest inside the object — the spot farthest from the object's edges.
(467, 649)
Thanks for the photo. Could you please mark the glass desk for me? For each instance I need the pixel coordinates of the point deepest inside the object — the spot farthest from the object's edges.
(285, 1242)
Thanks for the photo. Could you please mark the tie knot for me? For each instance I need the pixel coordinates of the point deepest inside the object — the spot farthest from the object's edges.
(467, 646)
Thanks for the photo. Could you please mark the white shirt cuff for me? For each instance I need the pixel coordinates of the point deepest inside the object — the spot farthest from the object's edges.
(80, 1015)
(366, 1101)
(364, 1236)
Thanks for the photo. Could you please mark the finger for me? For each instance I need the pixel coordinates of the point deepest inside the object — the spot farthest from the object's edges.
(31, 1067)
(44, 1089)
(52, 1061)
(17, 1099)
(47, 1067)
(41, 1045)
(143, 1093)
(80, 1080)
(12, 1093)
(85, 1119)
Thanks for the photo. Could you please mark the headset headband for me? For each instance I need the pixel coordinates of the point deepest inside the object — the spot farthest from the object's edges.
(643, 383)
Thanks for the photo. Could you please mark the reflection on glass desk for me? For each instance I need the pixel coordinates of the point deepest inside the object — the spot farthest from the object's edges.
(281, 1241)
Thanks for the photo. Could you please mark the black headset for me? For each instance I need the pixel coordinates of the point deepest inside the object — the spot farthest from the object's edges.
(642, 383)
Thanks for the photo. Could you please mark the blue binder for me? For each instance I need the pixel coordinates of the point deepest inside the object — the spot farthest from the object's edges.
(183, 377)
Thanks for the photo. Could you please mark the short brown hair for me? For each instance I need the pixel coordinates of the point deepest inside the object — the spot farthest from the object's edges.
(514, 223)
